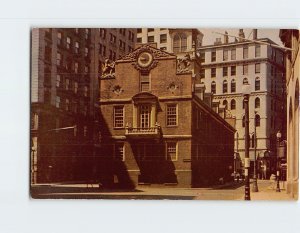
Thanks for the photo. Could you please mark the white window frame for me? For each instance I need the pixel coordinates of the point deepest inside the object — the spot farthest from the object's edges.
(116, 126)
(176, 151)
(167, 114)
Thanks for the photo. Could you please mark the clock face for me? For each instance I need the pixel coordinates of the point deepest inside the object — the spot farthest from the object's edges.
(145, 59)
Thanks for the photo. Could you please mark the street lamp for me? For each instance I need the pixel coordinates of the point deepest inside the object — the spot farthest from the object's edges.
(246, 90)
(278, 136)
(255, 187)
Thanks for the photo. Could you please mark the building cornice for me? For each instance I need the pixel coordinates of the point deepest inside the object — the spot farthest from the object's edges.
(241, 62)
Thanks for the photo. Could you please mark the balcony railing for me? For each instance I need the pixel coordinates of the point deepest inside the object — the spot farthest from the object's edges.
(143, 132)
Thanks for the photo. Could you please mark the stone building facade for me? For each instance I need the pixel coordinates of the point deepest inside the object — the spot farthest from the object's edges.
(155, 126)
(291, 39)
(225, 66)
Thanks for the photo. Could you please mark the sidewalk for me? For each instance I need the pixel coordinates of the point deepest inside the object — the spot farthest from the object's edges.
(267, 192)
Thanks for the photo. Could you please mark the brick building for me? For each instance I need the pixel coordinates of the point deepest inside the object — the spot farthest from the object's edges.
(66, 65)
(155, 126)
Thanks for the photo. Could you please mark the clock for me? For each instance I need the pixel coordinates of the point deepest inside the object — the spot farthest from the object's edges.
(145, 59)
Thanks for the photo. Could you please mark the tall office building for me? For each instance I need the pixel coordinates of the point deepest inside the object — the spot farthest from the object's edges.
(225, 66)
(66, 65)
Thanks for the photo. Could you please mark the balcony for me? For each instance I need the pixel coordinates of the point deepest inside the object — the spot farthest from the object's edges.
(143, 133)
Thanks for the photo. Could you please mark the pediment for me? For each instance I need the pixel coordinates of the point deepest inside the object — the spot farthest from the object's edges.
(157, 54)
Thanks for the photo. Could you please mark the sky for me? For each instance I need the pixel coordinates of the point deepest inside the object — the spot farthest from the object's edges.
(210, 37)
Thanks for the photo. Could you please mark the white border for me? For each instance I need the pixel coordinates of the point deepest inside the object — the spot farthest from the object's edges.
(18, 213)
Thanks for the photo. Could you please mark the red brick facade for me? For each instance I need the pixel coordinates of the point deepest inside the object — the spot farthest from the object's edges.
(154, 128)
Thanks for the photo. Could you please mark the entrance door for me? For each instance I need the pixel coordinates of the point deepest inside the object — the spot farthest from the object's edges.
(144, 116)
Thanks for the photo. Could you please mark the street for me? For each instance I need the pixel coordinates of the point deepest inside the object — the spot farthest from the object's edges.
(230, 191)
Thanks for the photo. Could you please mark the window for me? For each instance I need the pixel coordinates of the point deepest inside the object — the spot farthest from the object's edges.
(176, 43)
(67, 84)
(85, 130)
(245, 69)
(68, 42)
(257, 84)
(245, 52)
(144, 81)
(67, 105)
(139, 30)
(233, 86)
(213, 72)
(171, 151)
(202, 73)
(150, 39)
(144, 112)
(225, 86)
(87, 33)
(86, 51)
(76, 66)
(163, 38)
(225, 55)
(59, 38)
(233, 105)
(102, 33)
(213, 87)
(76, 47)
(183, 42)
(86, 68)
(202, 57)
(76, 30)
(233, 70)
(257, 50)
(119, 152)
(150, 29)
(58, 80)
(213, 55)
(75, 87)
(257, 120)
(119, 116)
(86, 90)
(257, 68)
(245, 81)
(139, 40)
(179, 43)
(171, 114)
(225, 71)
(233, 54)
(57, 101)
(257, 102)
(58, 59)
(225, 103)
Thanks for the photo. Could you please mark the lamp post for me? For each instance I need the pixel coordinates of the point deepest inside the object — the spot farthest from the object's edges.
(278, 136)
(255, 187)
(246, 90)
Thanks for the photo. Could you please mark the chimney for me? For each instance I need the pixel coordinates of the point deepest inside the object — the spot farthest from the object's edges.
(226, 38)
(254, 34)
(200, 90)
(241, 35)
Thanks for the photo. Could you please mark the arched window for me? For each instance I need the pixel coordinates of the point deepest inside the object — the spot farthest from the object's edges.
(257, 84)
(225, 103)
(225, 86)
(213, 87)
(243, 121)
(183, 42)
(257, 120)
(257, 102)
(233, 104)
(233, 86)
(179, 43)
(245, 81)
(176, 43)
